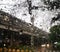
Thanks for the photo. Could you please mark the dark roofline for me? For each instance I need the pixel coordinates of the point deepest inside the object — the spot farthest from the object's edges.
(20, 25)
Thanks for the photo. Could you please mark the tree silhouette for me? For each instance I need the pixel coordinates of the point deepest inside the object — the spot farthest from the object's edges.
(55, 33)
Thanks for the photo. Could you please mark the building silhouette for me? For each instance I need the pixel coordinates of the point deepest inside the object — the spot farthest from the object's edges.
(15, 32)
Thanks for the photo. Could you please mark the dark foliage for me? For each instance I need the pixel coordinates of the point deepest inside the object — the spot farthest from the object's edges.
(55, 33)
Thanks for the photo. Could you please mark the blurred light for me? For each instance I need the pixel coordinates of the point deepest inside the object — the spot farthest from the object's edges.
(16, 20)
(4, 44)
(43, 45)
(43, 37)
(55, 42)
(20, 33)
(51, 0)
(47, 45)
